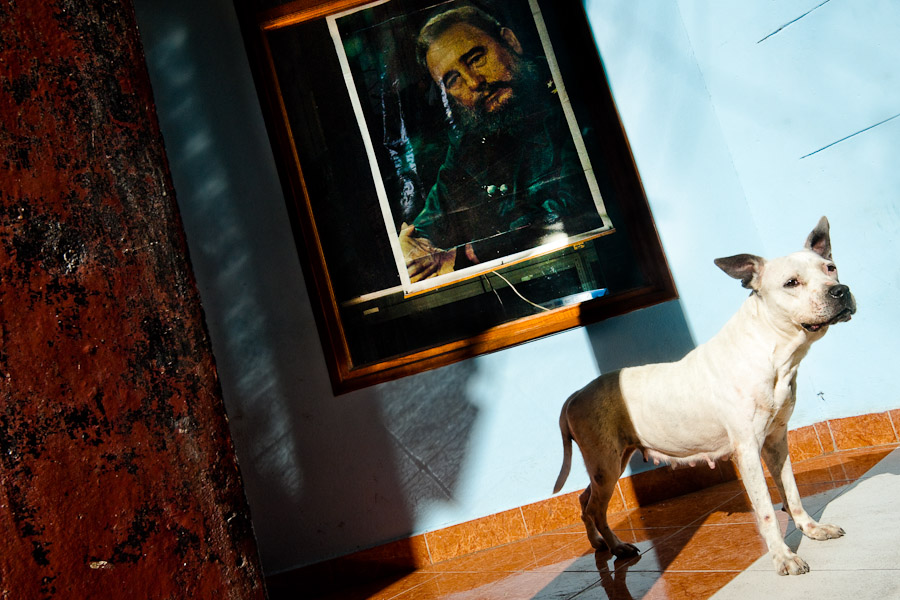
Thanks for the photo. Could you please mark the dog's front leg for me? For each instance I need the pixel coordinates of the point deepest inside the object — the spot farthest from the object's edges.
(747, 456)
(775, 453)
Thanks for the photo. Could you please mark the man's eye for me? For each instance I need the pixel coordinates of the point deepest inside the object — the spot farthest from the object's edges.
(451, 80)
(477, 59)
(790, 283)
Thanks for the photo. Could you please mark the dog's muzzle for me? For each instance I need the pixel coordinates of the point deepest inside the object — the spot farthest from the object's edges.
(843, 299)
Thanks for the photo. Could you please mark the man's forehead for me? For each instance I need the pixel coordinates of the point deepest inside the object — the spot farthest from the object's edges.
(453, 42)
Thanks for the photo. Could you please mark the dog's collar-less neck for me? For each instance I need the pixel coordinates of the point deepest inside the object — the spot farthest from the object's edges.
(786, 345)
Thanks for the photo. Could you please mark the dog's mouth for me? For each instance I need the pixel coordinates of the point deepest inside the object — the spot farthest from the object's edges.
(844, 315)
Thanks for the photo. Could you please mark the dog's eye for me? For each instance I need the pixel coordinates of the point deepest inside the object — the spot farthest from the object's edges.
(793, 282)
(831, 268)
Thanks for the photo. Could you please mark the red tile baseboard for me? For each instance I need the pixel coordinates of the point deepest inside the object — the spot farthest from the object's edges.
(423, 550)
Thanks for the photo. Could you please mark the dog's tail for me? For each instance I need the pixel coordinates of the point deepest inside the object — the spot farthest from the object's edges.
(567, 449)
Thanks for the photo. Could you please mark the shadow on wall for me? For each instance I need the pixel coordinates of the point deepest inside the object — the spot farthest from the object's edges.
(324, 476)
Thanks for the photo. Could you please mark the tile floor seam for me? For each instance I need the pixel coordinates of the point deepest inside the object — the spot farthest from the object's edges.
(428, 549)
(418, 585)
(587, 589)
(528, 532)
(688, 572)
(893, 425)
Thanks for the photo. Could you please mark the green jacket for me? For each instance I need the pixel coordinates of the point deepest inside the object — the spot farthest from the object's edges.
(509, 192)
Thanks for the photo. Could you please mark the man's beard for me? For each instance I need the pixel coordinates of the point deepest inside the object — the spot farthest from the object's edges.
(525, 100)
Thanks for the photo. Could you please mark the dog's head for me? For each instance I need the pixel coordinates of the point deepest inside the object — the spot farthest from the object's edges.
(801, 289)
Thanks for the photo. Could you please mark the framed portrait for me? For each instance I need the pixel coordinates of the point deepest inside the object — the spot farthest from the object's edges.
(456, 173)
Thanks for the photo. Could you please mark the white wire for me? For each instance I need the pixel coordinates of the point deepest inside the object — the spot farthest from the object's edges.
(513, 288)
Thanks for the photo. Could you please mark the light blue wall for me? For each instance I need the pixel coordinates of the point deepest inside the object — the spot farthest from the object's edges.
(718, 123)
(829, 75)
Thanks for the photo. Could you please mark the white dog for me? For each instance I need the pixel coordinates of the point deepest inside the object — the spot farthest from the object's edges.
(731, 396)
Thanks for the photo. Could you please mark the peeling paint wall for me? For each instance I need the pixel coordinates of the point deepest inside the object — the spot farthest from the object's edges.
(117, 474)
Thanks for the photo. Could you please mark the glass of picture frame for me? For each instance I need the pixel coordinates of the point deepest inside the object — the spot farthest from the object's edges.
(456, 174)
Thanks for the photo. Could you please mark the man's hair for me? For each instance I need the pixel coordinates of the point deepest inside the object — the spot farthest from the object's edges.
(441, 22)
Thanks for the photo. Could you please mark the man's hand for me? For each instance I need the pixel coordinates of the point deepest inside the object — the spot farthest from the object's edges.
(424, 259)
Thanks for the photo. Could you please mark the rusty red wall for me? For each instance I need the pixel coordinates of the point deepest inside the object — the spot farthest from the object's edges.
(117, 474)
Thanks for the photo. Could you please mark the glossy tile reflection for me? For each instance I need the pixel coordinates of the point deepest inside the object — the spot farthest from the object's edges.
(692, 547)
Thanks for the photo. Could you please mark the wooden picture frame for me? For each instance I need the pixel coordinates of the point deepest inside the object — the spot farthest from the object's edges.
(367, 134)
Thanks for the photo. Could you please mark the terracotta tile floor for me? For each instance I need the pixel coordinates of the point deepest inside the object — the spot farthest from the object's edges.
(690, 546)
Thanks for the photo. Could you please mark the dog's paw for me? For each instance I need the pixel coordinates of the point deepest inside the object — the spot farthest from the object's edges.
(790, 564)
(624, 550)
(822, 531)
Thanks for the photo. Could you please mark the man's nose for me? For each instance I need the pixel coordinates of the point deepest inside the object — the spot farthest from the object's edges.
(474, 81)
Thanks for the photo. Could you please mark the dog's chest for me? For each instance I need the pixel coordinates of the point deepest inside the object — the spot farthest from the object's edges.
(775, 400)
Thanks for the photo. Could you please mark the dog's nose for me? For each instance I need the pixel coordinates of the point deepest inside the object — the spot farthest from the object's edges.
(838, 291)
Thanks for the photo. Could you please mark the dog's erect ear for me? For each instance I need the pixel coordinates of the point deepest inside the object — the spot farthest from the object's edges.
(819, 241)
(745, 267)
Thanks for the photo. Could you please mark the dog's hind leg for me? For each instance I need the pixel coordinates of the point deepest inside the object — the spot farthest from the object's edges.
(595, 502)
(775, 453)
(593, 535)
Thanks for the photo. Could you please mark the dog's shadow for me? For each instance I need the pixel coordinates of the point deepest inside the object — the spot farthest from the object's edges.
(614, 580)
(858, 468)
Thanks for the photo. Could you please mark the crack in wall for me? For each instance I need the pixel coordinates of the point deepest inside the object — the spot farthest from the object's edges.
(843, 139)
(794, 21)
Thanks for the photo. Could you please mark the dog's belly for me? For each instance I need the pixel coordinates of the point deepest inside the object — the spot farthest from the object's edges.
(670, 447)
(674, 415)
(709, 458)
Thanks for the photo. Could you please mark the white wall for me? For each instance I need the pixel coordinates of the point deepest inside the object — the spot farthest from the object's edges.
(718, 123)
